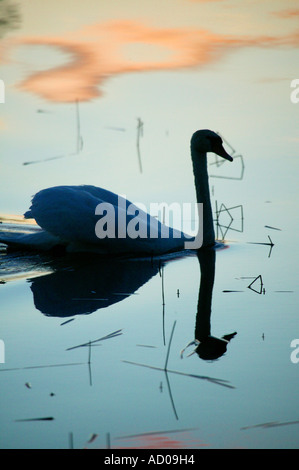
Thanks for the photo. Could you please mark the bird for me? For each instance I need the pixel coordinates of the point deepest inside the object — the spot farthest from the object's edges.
(68, 216)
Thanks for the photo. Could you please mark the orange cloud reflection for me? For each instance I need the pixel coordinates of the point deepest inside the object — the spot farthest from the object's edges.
(291, 13)
(162, 440)
(97, 52)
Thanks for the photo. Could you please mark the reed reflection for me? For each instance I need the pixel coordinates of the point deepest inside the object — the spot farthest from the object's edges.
(207, 346)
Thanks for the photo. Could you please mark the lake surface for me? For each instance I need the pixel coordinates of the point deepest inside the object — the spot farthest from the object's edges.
(117, 388)
(96, 351)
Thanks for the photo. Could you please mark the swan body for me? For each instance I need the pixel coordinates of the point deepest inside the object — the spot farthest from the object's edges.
(68, 215)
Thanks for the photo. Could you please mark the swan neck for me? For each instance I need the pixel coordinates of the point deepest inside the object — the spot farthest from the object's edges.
(201, 179)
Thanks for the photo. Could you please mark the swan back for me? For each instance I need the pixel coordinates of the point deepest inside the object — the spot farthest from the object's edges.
(70, 213)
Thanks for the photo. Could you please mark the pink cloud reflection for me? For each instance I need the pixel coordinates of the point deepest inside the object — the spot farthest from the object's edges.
(97, 52)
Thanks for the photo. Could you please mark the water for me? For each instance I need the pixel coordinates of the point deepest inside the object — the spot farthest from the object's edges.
(245, 399)
(127, 385)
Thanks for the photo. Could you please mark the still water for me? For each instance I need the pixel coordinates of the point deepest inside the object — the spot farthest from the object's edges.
(96, 352)
(96, 345)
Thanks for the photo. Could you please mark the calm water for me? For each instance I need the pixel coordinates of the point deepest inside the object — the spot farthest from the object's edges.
(117, 388)
(93, 347)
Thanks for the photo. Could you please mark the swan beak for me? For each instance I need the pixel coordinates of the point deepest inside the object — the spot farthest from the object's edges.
(223, 153)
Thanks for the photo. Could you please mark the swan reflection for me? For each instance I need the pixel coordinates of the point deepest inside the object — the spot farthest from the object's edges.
(207, 347)
(85, 285)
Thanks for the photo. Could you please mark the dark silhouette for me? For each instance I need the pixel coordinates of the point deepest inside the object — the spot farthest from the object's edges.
(86, 284)
(207, 347)
(83, 285)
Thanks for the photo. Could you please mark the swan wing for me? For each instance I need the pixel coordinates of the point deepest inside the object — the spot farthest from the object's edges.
(87, 218)
(69, 212)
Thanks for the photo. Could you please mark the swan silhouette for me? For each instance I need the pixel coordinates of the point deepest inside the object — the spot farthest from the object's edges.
(67, 215)
(83, 285)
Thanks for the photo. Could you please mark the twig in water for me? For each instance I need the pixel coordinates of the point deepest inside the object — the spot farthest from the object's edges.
(43, 367)
(111, 335)
(92, 438)
(67, 321)
(222, 382)
(71, 440)
(35, 419)
(108, 440)
(169, 344)
(79, 143)
(139, 134)
(89, 363)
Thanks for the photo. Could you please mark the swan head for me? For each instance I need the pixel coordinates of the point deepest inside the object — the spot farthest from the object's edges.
(204, 141)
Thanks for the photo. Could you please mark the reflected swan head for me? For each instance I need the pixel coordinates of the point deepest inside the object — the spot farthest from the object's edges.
(212, 348)
(208, 141)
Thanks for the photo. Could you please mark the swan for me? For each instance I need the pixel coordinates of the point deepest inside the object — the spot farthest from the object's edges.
(67, 215)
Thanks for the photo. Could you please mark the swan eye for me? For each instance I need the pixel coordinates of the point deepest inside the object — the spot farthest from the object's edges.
(218, 140)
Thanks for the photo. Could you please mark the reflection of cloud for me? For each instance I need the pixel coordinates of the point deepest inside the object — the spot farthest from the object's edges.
(94, 60)
(205, 1)
(162, 440)
(291, 13)
(97, 52)
(273, 79)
